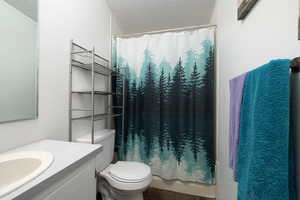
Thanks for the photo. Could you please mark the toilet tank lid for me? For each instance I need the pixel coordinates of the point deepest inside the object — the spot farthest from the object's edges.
(99, 136)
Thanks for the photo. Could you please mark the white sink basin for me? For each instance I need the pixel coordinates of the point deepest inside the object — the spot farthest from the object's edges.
(18, 168)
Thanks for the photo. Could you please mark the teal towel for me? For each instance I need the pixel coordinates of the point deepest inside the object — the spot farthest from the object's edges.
(264, 152)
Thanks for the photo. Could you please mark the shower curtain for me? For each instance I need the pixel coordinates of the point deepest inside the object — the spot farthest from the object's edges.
(169, 103)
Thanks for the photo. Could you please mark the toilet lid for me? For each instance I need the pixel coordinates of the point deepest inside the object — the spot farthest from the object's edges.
(130, 172)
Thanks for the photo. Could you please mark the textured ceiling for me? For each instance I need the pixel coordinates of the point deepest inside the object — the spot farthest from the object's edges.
(147, 15)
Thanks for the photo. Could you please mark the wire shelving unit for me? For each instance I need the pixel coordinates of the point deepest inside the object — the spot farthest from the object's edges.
(85, 59)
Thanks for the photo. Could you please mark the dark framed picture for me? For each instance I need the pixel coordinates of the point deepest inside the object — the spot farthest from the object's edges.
(244, 7)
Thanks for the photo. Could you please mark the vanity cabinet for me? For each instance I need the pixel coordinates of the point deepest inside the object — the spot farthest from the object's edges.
(71, 175)
(77, 182)
(79, 186)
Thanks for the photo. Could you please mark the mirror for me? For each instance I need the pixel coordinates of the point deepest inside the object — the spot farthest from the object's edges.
(18, 59)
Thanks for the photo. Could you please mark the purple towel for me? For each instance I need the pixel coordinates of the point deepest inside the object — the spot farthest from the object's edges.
(236, 94)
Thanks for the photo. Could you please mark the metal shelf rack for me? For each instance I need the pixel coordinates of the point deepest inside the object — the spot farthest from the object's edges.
(85, 59)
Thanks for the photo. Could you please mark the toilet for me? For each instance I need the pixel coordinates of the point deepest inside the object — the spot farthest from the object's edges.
(124, 180)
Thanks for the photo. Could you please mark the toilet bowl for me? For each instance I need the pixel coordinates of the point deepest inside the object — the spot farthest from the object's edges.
(124, 180)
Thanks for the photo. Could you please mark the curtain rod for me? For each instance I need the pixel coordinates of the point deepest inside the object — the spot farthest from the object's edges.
(165, 30)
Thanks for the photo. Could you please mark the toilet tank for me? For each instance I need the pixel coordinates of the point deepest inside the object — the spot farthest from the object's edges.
(106, 138)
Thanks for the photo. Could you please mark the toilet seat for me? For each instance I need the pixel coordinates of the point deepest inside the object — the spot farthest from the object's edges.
(125, 175)
(129, 172)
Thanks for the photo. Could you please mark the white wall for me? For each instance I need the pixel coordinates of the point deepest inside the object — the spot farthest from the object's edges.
(86, 21)
(269, 32)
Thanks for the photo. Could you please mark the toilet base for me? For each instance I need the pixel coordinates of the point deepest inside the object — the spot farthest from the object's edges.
(110, 193)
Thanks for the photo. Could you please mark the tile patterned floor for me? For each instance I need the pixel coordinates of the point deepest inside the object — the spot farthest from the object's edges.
(156, 194)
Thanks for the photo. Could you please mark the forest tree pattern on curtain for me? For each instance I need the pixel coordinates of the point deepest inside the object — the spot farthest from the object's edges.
(169, 98)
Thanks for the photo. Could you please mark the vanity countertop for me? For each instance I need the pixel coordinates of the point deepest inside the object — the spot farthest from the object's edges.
(65, 155)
